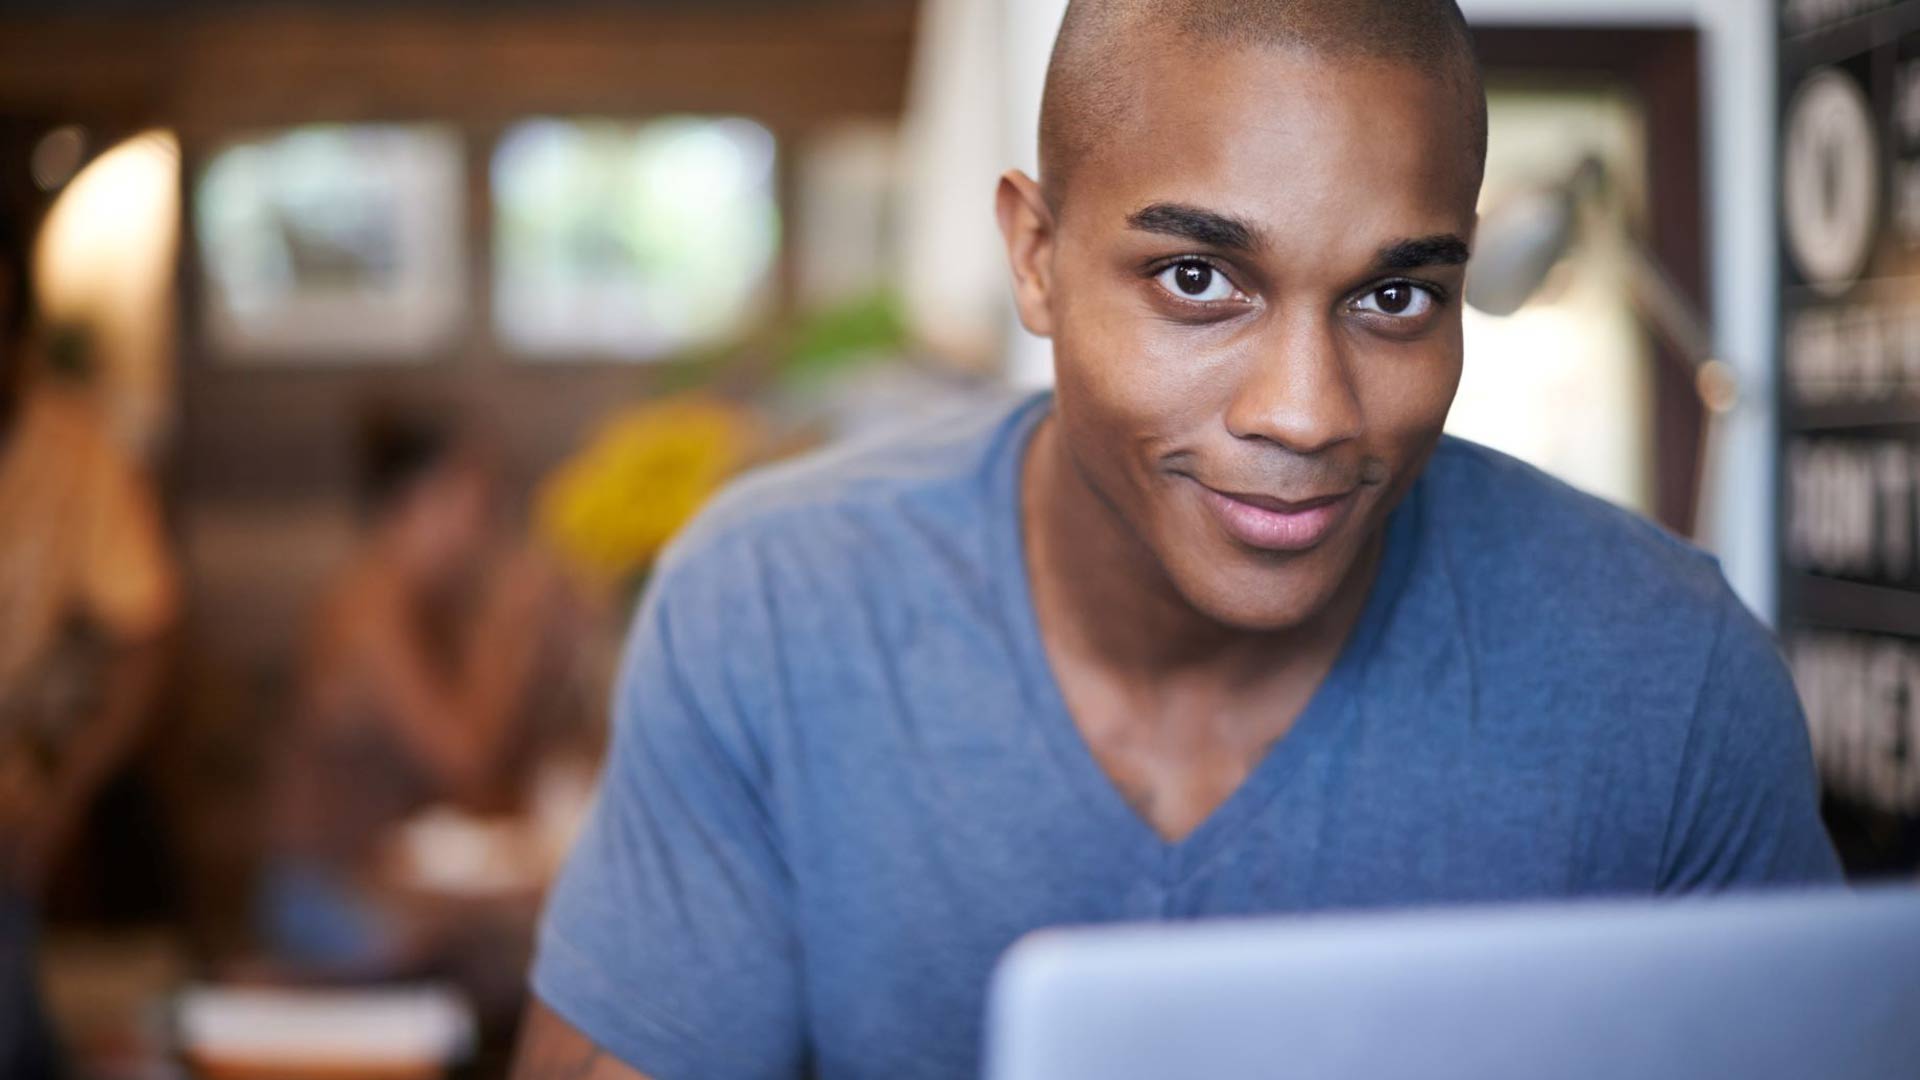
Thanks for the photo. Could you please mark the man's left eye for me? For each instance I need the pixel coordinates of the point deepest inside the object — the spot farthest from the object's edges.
(1191, 279)
(1400, 300)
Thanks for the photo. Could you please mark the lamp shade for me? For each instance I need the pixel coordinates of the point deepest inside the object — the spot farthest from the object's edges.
(1518, 244)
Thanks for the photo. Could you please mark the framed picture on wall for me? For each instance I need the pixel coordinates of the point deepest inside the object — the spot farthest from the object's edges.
(632, 241)
(333, 243)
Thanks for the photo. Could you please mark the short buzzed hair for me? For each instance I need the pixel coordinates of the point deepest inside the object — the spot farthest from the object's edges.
(1086, 92)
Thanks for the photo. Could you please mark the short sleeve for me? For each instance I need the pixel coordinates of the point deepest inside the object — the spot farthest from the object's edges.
(667, 939)
(1746, 810)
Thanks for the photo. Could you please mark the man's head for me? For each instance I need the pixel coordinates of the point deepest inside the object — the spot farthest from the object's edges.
(1248, 244)
(426, 490)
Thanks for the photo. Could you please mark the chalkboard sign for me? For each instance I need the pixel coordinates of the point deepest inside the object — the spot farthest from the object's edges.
(1850, 411)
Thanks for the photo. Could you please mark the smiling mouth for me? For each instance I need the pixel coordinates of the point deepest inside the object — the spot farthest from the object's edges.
(1282, 506)
(1274, 524)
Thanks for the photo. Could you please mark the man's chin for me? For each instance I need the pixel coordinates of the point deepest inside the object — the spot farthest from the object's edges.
(1261, 600)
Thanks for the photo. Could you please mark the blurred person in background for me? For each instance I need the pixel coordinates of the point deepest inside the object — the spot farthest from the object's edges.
(415, 693)
(88, 591)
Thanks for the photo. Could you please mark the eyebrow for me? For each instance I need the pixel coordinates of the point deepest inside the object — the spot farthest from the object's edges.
(1219, 230)
(1200, 226)
(1443, 250)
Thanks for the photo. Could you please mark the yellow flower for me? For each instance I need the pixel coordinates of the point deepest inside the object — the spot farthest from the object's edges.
(610, 508)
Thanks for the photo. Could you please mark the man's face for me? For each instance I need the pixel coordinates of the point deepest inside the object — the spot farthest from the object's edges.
(445, 517)
(1254, 297)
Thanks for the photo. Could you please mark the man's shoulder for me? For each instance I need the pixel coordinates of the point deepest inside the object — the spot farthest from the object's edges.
(934, 474)
(1588, 629)
(1559, 589)
(1583, 619)
(1515, 529)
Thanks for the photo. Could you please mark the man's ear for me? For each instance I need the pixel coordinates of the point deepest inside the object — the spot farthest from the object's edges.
(1026, 224)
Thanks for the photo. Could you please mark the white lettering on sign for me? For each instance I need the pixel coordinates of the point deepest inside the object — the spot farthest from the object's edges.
(1862, 696)
(1894, 498)
(1859, 352)
(1852, 507)
(1830, 180)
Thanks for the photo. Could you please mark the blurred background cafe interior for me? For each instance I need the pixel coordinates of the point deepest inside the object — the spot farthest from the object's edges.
(361, 356)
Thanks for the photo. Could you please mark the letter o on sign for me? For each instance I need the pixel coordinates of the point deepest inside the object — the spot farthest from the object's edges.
(1830, 180)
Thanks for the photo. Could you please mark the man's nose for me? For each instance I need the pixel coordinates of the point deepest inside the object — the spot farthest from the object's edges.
(1296, 389)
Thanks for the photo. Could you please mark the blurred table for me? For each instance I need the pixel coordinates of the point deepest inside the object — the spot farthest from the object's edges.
(278, 1033)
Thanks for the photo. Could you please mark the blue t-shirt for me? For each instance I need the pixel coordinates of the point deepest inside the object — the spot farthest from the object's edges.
(843, 780)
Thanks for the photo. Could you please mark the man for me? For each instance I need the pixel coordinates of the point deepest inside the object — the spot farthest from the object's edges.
(1222, 627)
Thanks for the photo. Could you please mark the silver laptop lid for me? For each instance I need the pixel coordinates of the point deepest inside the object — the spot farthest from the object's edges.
(1807, 985)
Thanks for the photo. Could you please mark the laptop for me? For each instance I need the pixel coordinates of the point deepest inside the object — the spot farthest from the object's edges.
(1797, 986)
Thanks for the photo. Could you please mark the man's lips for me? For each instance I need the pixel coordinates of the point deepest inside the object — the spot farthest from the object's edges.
(1271, 523)
(1282, 506)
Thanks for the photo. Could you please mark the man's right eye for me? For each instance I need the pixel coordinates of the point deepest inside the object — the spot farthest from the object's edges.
(1196, 282)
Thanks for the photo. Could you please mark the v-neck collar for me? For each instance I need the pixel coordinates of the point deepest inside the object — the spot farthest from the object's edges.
(1330, 706)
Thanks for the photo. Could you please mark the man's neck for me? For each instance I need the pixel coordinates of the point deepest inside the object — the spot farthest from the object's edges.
(1104, 598)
